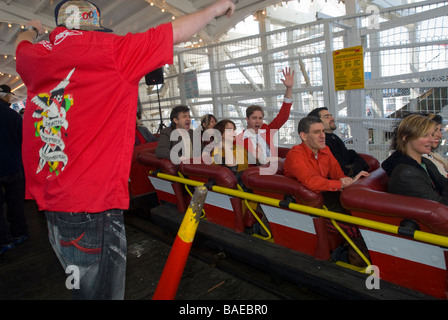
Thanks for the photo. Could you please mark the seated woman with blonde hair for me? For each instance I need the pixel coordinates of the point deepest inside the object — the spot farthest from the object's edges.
(410, 173)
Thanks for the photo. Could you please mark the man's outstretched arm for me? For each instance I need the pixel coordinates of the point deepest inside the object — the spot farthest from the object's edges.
(30, 34)
(185, 27)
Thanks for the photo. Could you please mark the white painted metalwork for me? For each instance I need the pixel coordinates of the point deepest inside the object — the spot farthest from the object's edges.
(405, 61)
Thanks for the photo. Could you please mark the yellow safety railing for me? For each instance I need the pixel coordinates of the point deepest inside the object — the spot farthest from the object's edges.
(203, 216)
(266, 229)
(351, 243)
(380, 226)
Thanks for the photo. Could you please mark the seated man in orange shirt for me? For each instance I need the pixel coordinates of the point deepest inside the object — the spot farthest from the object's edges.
(315, 167)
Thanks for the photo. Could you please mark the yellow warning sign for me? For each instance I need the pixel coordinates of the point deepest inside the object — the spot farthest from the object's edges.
(348, 68)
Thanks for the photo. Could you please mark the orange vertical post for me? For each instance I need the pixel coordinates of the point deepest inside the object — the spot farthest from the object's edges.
(174, 267)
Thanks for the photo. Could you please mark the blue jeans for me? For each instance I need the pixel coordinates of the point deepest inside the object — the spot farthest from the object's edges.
(94, 244)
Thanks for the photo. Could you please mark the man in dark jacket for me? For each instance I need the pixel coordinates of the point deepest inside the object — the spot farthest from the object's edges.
(180, 119)
(11, 175)
(351, 162)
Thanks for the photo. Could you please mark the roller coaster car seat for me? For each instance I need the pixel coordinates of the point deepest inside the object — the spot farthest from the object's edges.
(371, 161)
(219, 208)
(291, 228)
(166, 191)
(139, 183)
(368, 198)
(278, 186)
(414, 264)
(282, 152)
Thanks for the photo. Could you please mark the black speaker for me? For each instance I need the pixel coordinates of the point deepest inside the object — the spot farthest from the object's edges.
(154, 77)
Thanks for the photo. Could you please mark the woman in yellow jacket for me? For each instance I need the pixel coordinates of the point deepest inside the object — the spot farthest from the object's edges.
(237, 159)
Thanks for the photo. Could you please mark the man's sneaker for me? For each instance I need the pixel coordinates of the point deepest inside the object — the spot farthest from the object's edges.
(6, 247)
(21, 239)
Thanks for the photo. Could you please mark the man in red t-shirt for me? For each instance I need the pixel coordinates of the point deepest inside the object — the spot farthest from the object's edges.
(79, 130)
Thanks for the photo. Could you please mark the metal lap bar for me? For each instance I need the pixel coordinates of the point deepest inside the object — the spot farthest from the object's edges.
(350, 242)
(269, 235)
(380, 226)
(203, 216)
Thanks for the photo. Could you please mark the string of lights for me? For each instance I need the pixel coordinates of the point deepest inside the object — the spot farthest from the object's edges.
(165, 7)
(201, 39)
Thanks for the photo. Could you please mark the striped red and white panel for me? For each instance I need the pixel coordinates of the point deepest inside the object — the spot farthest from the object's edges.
(409, 263)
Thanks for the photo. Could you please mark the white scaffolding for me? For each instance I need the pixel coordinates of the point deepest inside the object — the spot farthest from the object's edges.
(405, 67)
